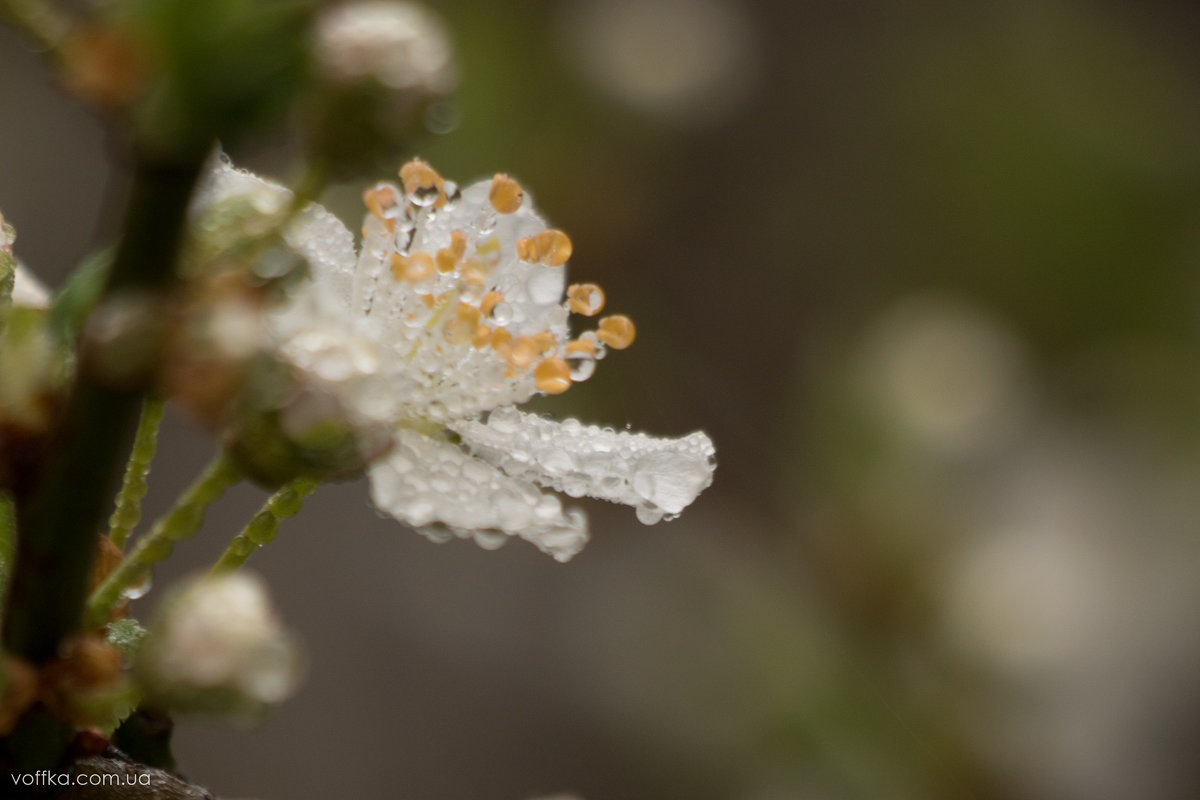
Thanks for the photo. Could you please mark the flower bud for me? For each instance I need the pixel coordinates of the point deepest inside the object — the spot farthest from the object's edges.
(218, 646)
(379, 67)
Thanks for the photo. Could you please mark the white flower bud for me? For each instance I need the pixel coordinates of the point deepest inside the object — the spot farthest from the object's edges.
(401, 45)
(219, 647)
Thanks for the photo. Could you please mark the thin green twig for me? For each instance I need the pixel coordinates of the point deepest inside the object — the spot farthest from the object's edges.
(264, 525)
(128, 512)
(182, 521)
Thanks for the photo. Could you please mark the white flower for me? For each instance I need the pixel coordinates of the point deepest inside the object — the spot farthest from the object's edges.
(218, 645)
(402, 45)
(454, 308)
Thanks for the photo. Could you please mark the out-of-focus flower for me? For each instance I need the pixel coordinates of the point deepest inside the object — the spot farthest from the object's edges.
(379, 66)
(401, 45)
(454, 308)
(218, 646)
(686, 62)
(947, 375)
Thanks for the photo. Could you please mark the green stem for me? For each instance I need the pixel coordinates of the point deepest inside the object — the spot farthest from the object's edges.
(264, 525)
(62, 503)
(181, 522)
(8, 536)
(128, 512)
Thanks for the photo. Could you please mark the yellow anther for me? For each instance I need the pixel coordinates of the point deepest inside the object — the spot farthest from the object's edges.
(502, 341)
(446, 262)
(489, 301)
(420, 180)
(506, 194)
(428, 299)
(585, 298)
(470, 313)
(546, 342)
(458, 243)
(379, 199)
(581, 347)
(416, 267)
(464, 326)
(483, 335)
(550, 247)
(523, 353)
(617, 331)
(525, 249)
(554, 247)
(552, 376)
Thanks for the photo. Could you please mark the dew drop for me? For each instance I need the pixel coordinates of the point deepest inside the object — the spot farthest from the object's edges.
(424, 196)
(140, 586)
(582, 366)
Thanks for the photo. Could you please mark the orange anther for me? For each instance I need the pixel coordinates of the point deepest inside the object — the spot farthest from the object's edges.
(489, 301)
(553, 247)
(581, 347)
(617, 331)
(552, 376)
(585, 298)
(420, 180)
(505, 194)
(524, 352)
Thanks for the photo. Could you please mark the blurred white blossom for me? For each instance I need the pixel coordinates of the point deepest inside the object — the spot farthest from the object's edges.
(219, 646)
(453, 308)
(401, 45)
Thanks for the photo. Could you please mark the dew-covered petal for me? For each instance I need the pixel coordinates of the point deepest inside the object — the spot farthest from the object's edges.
(441, 490)
(314, 234)
(659, 477)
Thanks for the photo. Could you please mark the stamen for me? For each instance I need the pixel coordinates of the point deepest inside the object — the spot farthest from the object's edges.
(505, 194)
(552, 376)
(489, 301)
(546, 342)
(422, 183)
(617, 331)
(381, 200)
(416, 267)
(585, 298)
(581, 347)
(550, 247)
(524, 352)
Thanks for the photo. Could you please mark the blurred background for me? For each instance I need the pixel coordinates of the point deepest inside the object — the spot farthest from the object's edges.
(929, 275)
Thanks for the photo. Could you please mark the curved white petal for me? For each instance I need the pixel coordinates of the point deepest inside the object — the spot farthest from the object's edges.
(28, 291)
(435, 486)
(660, 477)
(315, 234)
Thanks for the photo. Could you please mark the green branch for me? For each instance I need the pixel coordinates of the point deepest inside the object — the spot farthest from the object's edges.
(181, 522)
(264, 526)
(70, 490)
(128, 512)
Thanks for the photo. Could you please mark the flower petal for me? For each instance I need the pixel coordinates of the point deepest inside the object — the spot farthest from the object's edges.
(660, 477)
(28, 291)
(424, 482)
(315, 234)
